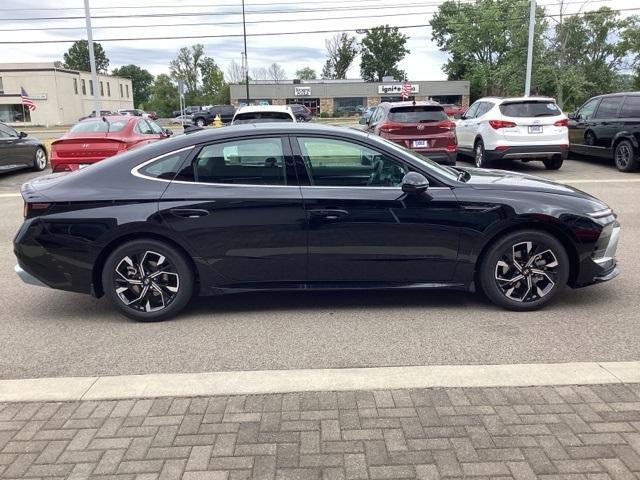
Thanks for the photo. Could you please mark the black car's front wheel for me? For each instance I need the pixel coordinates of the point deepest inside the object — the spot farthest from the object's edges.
(148, 280)
(40, 159)
(524, 270)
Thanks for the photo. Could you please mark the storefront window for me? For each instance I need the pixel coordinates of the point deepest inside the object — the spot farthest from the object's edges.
(397, 99)
(349, 104)
(14, 113)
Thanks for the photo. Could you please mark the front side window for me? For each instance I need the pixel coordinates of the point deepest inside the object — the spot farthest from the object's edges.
(256, 161)
(143, 127)
(586, 112)
(608, 107)
(155, 127)
(631, 107)
(339, 163)
(471, 113)
(7, 132)
(483, 108)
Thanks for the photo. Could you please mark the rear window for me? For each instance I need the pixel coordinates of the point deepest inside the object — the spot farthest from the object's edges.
(530, 109)
(98, 126)
(417, 114)
(260, 117)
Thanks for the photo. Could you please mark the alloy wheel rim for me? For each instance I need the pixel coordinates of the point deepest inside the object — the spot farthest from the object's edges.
(623, 155)
(479, 156)
(146, 281)
(41, 160)
(526, 273)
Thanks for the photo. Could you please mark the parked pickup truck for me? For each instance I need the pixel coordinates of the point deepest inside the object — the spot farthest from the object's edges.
(206, 117)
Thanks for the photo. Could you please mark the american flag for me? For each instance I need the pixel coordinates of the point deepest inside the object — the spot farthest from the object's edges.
(26, 101)
(406, 89)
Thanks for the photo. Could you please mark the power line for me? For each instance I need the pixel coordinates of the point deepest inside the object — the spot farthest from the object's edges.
(270, 34)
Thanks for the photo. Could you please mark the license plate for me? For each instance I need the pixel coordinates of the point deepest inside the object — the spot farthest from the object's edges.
(535, 129)
(420, 143)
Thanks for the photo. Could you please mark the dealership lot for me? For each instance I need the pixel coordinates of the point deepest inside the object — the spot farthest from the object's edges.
(45, 333)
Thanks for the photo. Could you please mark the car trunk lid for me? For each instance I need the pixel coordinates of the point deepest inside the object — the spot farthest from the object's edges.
(529, 120)
(419, 126)
(96, 146)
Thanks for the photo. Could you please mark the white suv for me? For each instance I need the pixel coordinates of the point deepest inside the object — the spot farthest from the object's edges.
(263, 113)
(525, 128)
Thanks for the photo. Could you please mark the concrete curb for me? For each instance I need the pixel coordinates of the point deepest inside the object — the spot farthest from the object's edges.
(284, 381)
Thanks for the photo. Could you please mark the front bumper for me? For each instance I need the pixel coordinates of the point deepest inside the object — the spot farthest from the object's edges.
(27, 277)
(601, 266)
(529, 152)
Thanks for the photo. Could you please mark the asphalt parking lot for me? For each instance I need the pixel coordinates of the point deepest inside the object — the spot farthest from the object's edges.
(45, 333)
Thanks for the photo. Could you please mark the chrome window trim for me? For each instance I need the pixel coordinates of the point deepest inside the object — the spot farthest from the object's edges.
(135, 170)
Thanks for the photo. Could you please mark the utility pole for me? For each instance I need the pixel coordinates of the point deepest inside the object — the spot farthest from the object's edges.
(532, 27)
(92, 60)
(246, 59)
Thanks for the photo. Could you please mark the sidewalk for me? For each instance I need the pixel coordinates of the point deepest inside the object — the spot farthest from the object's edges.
(573, 432)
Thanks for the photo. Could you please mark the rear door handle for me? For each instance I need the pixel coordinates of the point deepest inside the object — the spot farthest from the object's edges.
(329, 214)
(189, 212)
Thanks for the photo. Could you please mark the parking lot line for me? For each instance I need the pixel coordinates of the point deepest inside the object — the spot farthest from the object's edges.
(284, 381)
(592, 180)
(9, 195)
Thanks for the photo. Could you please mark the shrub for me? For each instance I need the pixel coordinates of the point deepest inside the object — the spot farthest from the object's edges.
(324, 115)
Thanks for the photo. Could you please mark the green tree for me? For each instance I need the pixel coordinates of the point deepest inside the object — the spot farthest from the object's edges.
(306, 73)
(214, 88)
(382, 49)
(186, 67)
(163, 97)
(342, 50)
(77, 57)
(141, 80)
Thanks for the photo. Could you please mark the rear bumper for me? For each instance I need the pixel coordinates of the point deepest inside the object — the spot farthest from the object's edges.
(67, 165)
(440, 156)
(528, 152)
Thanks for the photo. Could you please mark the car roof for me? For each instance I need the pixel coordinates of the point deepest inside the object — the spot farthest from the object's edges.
(411, 103)
(264, 108)
(517, 99)
(617, 94)
(128, 118)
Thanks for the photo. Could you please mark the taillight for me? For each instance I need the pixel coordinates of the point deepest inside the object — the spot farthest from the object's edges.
(446, 125)
(34, 209)
(562, 123)
(496, 124)
(389, 127)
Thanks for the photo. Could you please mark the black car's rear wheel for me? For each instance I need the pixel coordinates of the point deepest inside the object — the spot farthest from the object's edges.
(40, 159)
(625, 157)
(200, 122)
(524, 270)
(148, 280)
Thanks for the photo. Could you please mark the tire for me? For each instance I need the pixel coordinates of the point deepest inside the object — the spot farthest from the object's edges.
(176, 286)
(479, 155)
(200, 122)
(590, 138)
(39, 159)
(508, 258)
(553, 163)
(300, 119)
(625, 157)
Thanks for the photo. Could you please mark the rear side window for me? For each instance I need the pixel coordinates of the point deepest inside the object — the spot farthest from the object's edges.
(261, 117)
(631, 107)
(165, 168)
(530, 109)
(417, 114)
(608, 107)
(99, 126)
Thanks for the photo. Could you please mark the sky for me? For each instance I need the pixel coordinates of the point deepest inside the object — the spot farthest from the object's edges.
(222, 18)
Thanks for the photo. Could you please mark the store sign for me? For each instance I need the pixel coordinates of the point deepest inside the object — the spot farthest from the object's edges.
(302, 91)
(38, 96)
(396, 89)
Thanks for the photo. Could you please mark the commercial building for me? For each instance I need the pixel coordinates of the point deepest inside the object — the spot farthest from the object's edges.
(347, 96)
(60, 95)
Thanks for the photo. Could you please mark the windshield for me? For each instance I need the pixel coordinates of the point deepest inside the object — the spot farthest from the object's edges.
(417, 114)
(429, 165)
(261, 117)
(530, 109)
(98, 126)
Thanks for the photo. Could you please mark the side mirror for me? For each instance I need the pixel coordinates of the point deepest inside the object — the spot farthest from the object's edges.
(363, 121)
(414, 183)
(168, 132)
(22, 134)
(458, 116)
(572, 116)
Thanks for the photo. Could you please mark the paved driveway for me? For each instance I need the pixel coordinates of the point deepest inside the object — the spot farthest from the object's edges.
(47, 333)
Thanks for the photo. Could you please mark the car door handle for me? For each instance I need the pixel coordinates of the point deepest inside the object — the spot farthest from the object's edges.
(189, 212)
(329, 214)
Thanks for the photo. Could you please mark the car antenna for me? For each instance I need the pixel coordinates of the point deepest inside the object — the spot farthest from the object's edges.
(104, 119)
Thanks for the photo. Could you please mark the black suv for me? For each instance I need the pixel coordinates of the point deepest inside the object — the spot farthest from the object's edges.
(206, 117)
(301, 112)
(608, 126)
(187, 111)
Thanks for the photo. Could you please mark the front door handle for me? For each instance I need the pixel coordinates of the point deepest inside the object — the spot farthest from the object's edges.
(189, 212)
(329, 213)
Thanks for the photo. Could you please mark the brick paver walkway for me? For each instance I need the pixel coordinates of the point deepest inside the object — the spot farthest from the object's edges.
(542, 432)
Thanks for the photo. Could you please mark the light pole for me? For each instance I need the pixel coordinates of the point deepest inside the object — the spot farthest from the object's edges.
(532, 27)
(246, 59)
(92, 60)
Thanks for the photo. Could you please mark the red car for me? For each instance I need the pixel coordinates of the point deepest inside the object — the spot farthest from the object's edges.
(95, 139)
(452, 110)
(423, 127)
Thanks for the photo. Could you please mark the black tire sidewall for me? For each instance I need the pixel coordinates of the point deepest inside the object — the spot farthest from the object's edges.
(553, 163)
(633, 162)
(487, 268)
(183, 268)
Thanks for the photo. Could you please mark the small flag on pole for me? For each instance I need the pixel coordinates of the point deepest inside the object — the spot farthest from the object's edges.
(26, 100)
(406, 89)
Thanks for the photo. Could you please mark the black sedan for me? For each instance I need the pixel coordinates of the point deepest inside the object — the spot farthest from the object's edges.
(294, 207)
(19, 150)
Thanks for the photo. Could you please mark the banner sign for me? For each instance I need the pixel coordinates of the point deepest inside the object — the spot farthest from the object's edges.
(396, 89)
